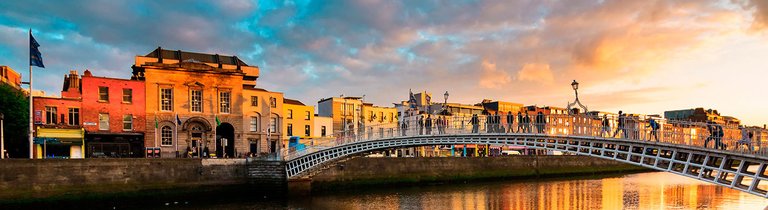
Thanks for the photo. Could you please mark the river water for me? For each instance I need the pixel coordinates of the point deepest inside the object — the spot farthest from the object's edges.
(653, 190)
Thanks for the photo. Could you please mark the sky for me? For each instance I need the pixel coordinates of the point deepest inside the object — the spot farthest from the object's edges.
(637, 56)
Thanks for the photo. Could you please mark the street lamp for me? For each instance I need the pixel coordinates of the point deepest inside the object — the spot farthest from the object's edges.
(2, 137)
(445, 103)
(575, 86)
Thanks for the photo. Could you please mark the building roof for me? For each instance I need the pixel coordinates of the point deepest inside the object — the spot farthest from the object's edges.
(293, 102)
(202, 57)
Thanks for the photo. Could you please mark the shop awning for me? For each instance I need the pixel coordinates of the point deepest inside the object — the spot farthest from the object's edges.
(60, 133)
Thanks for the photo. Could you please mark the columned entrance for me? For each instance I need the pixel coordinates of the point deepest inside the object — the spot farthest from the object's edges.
(225, 140)
(198, 143)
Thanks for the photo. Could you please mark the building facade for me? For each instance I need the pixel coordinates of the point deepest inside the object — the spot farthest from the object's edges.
(10, 77)
(346, 112)
(113, 116)
(298, 120)
(58, 123)
(195, 103)
(323, 126)
(263, 115)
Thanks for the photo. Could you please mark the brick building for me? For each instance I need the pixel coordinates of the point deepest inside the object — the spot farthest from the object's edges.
(57, 122)
(113, 115)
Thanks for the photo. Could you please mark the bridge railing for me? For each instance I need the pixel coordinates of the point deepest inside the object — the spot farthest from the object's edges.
(630, 127)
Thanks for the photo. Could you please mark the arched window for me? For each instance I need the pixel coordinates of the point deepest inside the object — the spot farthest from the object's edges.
(166, 136)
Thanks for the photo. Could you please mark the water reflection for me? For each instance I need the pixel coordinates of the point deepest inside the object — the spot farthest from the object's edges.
(655, 190)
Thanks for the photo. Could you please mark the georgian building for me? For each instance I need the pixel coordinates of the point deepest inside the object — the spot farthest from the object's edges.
(206, 105)
(113, 116)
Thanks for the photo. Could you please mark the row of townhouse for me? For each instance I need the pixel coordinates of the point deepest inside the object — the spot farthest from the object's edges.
(176, 104)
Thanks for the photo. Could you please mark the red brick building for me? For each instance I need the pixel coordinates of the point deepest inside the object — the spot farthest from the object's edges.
(58, 130)
(113, 116)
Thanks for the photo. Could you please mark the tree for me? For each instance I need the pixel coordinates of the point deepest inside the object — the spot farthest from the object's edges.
(14, 104)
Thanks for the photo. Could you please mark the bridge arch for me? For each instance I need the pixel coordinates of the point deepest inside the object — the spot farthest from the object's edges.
(739, 171)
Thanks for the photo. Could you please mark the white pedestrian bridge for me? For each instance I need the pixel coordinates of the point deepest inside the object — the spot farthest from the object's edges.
(677, 147)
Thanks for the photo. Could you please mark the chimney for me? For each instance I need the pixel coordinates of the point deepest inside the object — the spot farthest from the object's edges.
(159, 54)
(74, 80)
(237, 61)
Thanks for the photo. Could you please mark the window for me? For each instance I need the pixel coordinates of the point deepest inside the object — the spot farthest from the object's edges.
(381, 117)
(127, 95)
(272, 102)
(74, 116)
(103, 94)
(307, 115)
(322, 130)
(196, 101)
(272, 124)
(290, 129)
(224, 102)
(391, 117)
(127, 122)
(254, 126)
(50, 115)
(254, 101)
(166, 136)
(306, 130)
(290, 114)
(166, 99)
(103, 122)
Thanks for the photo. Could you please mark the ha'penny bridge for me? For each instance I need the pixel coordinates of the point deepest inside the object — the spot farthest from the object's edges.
(689, 149)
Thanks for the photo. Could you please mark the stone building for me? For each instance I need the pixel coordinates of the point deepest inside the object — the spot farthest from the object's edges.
(199, 104)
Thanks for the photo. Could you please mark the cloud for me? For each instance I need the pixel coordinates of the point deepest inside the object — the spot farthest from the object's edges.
(536, 72)
(313, 49)
(493, 78)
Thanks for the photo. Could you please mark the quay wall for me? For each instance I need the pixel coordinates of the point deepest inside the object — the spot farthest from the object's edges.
(23, 180)
(34, 179)
(363, 171)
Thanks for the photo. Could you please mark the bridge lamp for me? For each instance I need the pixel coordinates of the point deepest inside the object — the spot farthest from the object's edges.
(575, 86)
(446, 97)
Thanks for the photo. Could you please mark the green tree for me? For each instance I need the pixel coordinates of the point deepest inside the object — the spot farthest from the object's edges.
(15, 107)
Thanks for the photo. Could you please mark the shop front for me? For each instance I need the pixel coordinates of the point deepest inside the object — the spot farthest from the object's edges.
(59, 143)
(114, 145)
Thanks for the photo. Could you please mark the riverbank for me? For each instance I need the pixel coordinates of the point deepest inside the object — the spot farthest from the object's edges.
(157, 180)
(365, 172)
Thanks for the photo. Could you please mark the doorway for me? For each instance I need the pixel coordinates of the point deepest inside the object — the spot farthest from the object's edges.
(225, 140)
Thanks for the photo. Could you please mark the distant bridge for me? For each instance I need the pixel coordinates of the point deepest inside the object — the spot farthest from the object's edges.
(677, 147)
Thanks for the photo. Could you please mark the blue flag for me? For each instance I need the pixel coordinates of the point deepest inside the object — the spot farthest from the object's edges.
(35, 57)
(178, 121)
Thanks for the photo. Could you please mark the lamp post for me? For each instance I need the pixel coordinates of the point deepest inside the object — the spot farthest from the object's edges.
(575, 86)
(2, 137)
(445, 103)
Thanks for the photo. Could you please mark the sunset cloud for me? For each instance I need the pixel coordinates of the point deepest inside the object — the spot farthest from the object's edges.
(492, 77)
(314, 49)
(535, 72)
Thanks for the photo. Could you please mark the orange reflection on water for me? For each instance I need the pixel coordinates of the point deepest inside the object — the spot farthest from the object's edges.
(657, 190)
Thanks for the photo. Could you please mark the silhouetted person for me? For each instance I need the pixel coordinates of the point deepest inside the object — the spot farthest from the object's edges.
(719, 133)
(711, 129)
(510, 120)
(606, 130)
(620, 127)
(404, 128)
(428, 124)
(654, 128)
(475, 123)
(746, 139)
(527, 122)
(540, 122)
(520, 126)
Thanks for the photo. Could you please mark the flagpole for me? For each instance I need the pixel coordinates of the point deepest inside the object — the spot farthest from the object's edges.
(176, 133)
(31, 122)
